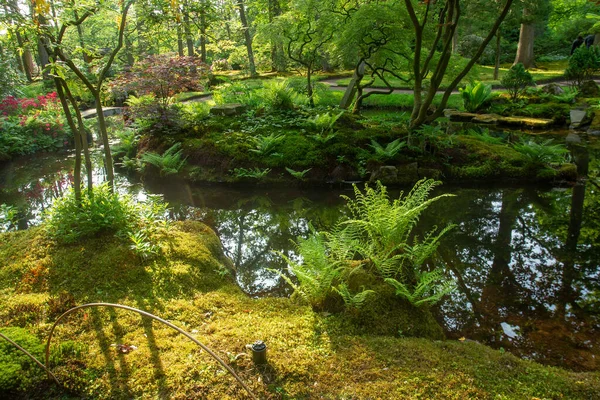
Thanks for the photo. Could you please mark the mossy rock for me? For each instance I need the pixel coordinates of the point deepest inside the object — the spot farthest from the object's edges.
(589, 89)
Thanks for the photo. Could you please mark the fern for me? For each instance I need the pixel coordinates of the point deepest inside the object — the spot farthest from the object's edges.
(484, 136)
(298, 174)
(170, 162)
(325, 122)
(389, 151)
(265, 145)
(352, 301)
(317, 273)
(255, 173)
(542, 153)
(429, 289)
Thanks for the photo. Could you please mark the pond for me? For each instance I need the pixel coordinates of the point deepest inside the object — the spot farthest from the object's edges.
(526, 259)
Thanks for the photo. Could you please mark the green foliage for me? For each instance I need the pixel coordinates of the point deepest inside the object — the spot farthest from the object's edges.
(10, 78)
(255, 173)
(317, 274)
(127, 146)
(388, 152)
(583, 64)
(104, 212)
(324, 122)
(265, 145)
(170, 162)
(485, 136)
(237, 92)
(429, 138)
(17, 371)
(353, 301)
(545, 153)
(430, 287)
(278, 95)
(475, 95)
(516, 81)
(298, 174)
(375, 237)
(8, 218)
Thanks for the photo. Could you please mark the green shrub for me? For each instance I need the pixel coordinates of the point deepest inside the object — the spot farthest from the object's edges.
(516, 81)
(583, 64)
(17, 371)
(476, 95)
(103, 212)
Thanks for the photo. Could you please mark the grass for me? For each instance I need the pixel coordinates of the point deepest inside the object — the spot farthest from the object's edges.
(311, 355)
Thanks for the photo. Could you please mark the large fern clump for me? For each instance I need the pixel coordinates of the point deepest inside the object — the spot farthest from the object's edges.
(376, 237)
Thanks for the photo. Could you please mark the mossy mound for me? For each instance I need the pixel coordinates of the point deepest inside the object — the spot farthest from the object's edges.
(105, 353)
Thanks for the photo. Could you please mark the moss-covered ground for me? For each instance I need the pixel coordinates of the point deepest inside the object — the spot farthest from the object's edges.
(311, 355)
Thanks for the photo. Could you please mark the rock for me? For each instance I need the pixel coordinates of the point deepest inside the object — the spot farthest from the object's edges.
(526, 122)
(431, 173)
(553, 88)
(486, 119)
(579, 118)
(595, 124)
(457, 116)
(573, 138)
(408, 174)
(387, 175)
(228, 109)
(342, 173)
(589, 89)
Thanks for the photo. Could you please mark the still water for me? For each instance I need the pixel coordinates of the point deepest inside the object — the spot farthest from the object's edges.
(526, 259)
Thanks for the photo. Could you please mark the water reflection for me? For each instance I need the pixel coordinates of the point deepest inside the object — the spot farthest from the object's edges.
(525, 259)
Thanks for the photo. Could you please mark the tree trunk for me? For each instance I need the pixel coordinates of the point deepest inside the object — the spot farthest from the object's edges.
(108, 161)
(525, 48)
(189, 40)
(309, 88)
(203, 34)
(44, 59)
(180, 49)
(455, 42)
(247, 38)
(497, 64)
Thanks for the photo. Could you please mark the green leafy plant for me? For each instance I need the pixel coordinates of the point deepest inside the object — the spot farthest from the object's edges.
(9, 216)
(68, 221)
(317, 274)
(429, 138)
(485, 136)
(353, 301)
(279, 95)
(255, 173)
(127, 146)
(475, 95)
(265, 145)
(298, 174)
(544, 153)
(388, 152)
(324, 122)
(516, 81)
(583, 64)
(142, 245)
(429, 288)
(170, 162)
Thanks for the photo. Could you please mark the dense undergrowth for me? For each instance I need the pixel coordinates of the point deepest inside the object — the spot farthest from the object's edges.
(311, 354)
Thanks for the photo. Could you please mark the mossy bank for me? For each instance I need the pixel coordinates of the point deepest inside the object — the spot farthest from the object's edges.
(311, 355)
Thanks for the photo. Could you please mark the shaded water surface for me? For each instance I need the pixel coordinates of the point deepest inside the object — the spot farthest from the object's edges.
(526, 260)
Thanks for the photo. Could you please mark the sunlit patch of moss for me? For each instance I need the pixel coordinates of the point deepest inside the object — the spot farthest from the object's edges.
(311, 355)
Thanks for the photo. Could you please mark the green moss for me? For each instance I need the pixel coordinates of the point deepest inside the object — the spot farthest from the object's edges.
(312, 355)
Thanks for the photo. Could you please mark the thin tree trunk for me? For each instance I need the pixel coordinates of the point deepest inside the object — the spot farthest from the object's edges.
(86, 58)
(455, 42)
(525, 47)
(180, 49)
(247, 38)
(203, 33)
(189, 40)
(497, 64)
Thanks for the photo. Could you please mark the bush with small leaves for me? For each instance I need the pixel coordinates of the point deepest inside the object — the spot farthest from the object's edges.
(516, 81)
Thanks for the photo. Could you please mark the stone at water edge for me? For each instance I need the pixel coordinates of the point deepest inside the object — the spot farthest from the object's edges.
(387, 175)
(228, 109)
(578, 118)
(553, 89)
